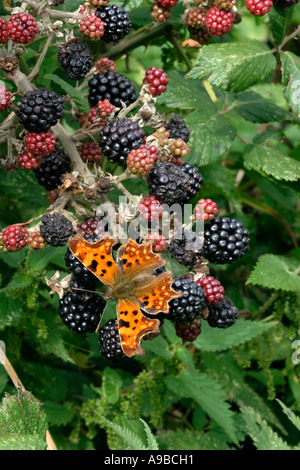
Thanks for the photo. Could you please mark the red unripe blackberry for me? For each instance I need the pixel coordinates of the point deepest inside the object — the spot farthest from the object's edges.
(3, 247)
(140, 161)
(105, 108)
(40, 143)
(4, 98)
(3, 31)
(22, 28)
(162, 135)
(223, 314)
(15, 237)
(109, 340)
(105, 65)
(201, 35)
(189, 331)
(159, 241)
(167, 3)
(214, 292)
(179, 148)
(223, 4)
(177, 161)
(90, 153)
(150, 208)
(259, 7)
(36, 241)
(92, 27)
(160, 14)
(98, 3)
(91, 228)
(91, 120)
(186, 308)
(28, 161)
(195, 17)
(205, 209)
(219, 22)
(157, 79)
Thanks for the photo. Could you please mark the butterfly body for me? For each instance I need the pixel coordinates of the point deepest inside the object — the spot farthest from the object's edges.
(132, 283)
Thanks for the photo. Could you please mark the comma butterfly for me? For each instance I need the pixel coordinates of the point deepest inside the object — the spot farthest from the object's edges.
(132, 283)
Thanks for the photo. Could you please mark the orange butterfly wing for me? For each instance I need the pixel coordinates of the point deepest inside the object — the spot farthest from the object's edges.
(133, 325)
(134, 259)
(97, 257)
(155, 296)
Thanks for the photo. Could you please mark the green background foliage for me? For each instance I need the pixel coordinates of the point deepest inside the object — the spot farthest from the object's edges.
(237, 96)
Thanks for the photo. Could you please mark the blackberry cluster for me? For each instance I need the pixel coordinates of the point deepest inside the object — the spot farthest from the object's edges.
(53, 166)
(186, 248)
(177, 128)
(171, 183)
(223, 314)
(76, 60)
(225, 240)
(80, 310)
(40, 109)
(56, 229)
(109, 340)
(119, 137)
(113, 87)
(116, 20)
(189, 331)
(186, 308)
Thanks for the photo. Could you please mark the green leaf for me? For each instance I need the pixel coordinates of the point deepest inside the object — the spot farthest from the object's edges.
(185, 439)
(214, 339)
(20, 280)
(234, 66)
(207, 393)
(290, 414)
(80, 101)
(291, 79)
(254, 108)
(211, 134)
(129, 5)
(22, 417)
(158, 346)
(133, 441)
(39, 260)
(262, 434)
(280, 20)
(152, 443)
(10, 311)
(276, 272)
(58, 414)
(267, 156)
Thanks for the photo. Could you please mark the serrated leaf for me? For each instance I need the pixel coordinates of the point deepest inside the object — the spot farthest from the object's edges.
(133, 441)
(20, 280)
(211, 134)
(58, 414)
(290, 414)
(185, 439)
(280, 20)
(234, 66)
(291, 79)
(81, 102)
(208, 393)
(39, 260)
(10, 311)
(158, 346)
(254, 108)
(215, 339)
(276, 272)
(22, 442)
(262, 434)
(151, 441)
(268, 158)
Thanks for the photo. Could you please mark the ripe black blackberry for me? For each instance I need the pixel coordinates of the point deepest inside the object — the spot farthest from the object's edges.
(40, 109)
(75, 58)
(186, 308)
(171, 183)
(177, 128)
(109, 340)
(116, 20)
(186, 247)
(79, 271)
(53, 166)
(80, 310)
(285, 3)
(113, 87)
(56, 229)
(225, 240)
(119, 137)
(223, 314)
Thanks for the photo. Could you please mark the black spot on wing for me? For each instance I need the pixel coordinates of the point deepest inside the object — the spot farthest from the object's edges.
(124, 324)
(93, 265)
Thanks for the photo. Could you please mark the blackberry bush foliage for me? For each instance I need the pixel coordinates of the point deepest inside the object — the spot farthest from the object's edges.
(148, 224)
